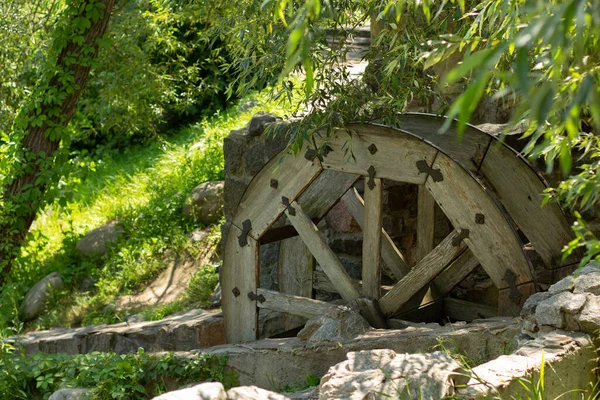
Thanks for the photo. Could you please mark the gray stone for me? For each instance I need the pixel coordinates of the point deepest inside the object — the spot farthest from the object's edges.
(259, 122)
(69, 394)
(253, 393)
(564, 285)
(588, 283)
(528, 310)
(203, 391)
(35, 299)
(550, 311)
(277, 140)
(234, 146)
(198, 235)
(96, 241)
(379, 374)
(234, 190)
(591, 267)
(206, 202)
(339, 324)
(215, 300)
(255, 158)
(86, 284)
(589, 318)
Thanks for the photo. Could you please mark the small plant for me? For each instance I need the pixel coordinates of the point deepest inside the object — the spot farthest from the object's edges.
(310, 381)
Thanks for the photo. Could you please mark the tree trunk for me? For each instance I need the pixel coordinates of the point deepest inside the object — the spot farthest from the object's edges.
(32, 172)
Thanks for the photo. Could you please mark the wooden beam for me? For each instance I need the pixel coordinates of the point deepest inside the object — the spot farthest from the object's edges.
(295, 305)
(456, 272)
(238, 278)
(425, 223)
(421, 274)
(392, 257)
(322, 282)
(295, 267)
(324, 255)
(371, 257)
(467, 311)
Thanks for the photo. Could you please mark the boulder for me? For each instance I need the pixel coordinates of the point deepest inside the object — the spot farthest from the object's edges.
(206, 203)
(96, 241)
(259, 122)
(69, 394)
(338, 324)
(382, 374)
(203, 391)
(253, 393)
(35, 299)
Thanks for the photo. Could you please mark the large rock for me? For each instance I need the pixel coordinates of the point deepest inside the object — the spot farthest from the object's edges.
(259, 122)
(339, 324)
(206, 202)
(96, 241)
(69, 394)
(35, 299)
(382, 374)
(253, 393)
(203, 391)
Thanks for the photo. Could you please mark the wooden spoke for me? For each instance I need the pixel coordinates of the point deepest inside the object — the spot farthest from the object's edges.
(294, 270)
(295, 305)
(421, 274)
(238, 278)
(371, 257)
(425, 223)
(466, 311)
(456, 272)
(315, 242)
(392, 257)
(320, 281)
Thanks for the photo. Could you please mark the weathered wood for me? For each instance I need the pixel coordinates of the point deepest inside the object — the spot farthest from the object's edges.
(425, 223)
(295, 305)
(393, 259)
(369, 309)
(421, 274)
(395, 157)
(456, 272)
(323, 254)
(320, 281)
(427, 312)
(521, 192)
(295, 267)
(491, 237)
(325, 191)
(467, 148)
(507, 307)
(371, 257)
(467, 311)
(239, 277)
(262, 204)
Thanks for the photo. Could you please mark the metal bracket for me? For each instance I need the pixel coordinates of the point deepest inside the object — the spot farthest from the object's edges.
(286, 202)
(259, 298)
(246, 228)
(372, 148)
(479, 219)
(235, 291)
(462, 234)
(371, 181)
(511, 278)
(274, 184)
(424, 168)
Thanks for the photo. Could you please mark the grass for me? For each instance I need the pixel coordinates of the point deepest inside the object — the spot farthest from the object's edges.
(144, 188)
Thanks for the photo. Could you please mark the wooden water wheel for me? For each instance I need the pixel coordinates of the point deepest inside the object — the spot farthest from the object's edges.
(487, 191)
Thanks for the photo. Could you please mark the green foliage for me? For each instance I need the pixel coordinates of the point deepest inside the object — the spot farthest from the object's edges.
(110, 376)
(310, 381)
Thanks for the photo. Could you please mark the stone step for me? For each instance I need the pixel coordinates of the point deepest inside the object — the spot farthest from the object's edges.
(196, 329)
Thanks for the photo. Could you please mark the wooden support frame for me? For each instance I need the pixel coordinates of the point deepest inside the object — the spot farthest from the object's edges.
(371, 272)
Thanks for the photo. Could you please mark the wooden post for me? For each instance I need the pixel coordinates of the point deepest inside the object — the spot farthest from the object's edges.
(371, 272)
(425, 223)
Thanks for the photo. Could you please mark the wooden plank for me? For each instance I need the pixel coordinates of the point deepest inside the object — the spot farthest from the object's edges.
(467, 311)
(262, 203)
(468, 148)
(371, 257)
(325, 191)
(421, 274)
(425, 223)
(239, 277)
(521, 192)
(507, 307)
(295, 305)
(294, 268)
(492, 238)
(323, 254)
(320, 281)
(395, 158)
(456, 272)
(393, 259)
